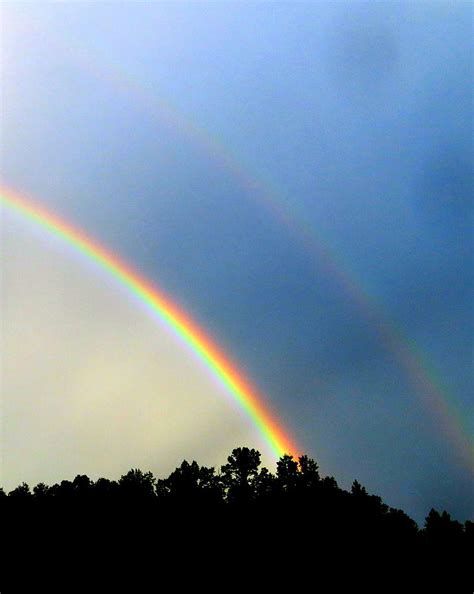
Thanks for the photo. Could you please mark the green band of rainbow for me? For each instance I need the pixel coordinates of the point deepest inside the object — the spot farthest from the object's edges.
(176, 320)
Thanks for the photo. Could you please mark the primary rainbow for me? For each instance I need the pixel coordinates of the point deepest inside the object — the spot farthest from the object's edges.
(174, 318)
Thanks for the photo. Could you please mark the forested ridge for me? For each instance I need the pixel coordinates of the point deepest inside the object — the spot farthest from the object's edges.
(244, 511)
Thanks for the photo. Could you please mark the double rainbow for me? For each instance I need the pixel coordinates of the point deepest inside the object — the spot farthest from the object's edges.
(210, 355)
(435, 397)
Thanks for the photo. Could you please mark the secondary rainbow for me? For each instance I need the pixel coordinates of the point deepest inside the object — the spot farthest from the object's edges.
(423, 377)
(410, 359)
(174, 318)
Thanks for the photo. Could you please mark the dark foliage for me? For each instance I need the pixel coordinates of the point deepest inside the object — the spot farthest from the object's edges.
(289, 530)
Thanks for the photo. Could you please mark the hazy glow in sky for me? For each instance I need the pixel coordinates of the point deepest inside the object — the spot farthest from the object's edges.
(144, 124)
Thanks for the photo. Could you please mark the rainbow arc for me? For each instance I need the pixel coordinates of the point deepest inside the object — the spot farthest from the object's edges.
(177, 321)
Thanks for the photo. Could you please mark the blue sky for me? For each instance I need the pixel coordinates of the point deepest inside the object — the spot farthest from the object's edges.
(356, 118)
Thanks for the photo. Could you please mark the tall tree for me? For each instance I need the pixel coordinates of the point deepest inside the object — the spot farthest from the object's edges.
(239, 474)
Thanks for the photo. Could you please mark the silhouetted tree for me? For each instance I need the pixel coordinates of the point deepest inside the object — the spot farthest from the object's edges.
(137, 484)
(21, 492)
(105, 490)
(191, 484)
(265, 484)
(287, 474)
(40, 491)
(400, 526)
(329, 483)
(82, 485)
(64, 490)
(441, 528)
(309, 472)
(239, 475)
(358, 490)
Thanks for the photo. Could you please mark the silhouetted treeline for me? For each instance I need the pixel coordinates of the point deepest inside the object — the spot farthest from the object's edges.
(243, 515)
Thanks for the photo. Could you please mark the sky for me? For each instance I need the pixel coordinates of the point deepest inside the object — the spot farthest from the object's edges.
(298, 178)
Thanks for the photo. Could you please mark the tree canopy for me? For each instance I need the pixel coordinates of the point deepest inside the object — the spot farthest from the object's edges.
(240, 502)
